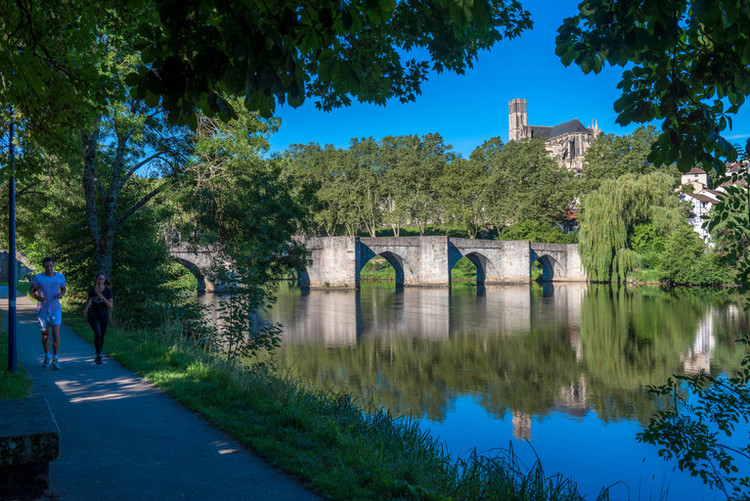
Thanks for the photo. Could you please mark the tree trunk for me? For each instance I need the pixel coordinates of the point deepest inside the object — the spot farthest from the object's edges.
(102, 251)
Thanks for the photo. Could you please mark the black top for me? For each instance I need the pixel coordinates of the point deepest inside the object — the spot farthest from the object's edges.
(97, 305)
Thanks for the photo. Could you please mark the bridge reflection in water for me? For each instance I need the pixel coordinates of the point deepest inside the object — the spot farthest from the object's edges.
(341, 317)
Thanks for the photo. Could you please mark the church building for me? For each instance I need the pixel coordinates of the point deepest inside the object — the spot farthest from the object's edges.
(566, 142)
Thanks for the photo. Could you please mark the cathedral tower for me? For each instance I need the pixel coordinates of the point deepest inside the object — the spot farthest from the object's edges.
(517, 120)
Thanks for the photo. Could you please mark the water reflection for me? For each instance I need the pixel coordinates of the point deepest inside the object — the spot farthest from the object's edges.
(565, 367)
(526, 349)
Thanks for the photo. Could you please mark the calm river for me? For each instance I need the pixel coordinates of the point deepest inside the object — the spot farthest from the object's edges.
(557, 372)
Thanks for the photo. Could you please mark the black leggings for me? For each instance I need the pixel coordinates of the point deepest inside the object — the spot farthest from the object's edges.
(98, 322)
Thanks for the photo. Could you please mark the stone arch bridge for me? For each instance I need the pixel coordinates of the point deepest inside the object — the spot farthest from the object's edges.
(428, 261)
(418, 261)
(198, 261)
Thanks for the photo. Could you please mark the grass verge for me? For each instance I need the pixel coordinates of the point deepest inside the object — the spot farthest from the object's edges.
(326, 440)
(12, 384)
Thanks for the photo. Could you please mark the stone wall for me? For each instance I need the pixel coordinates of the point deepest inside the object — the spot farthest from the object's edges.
(21, 268)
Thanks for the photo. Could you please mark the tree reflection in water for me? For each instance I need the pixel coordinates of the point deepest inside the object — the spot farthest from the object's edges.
(523, 354)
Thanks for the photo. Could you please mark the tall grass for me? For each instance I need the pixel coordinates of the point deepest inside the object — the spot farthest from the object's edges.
(343, 448)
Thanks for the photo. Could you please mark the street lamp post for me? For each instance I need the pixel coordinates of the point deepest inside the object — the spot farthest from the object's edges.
(12, 331)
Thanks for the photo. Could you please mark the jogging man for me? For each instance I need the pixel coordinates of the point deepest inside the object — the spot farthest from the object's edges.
(51, 288)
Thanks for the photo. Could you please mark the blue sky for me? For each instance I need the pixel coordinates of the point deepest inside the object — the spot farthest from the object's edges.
(468, 109)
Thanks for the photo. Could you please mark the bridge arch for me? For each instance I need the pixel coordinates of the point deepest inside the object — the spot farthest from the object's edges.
(551, 268)
(399, 263)
(485, 267)
(197, 273)
(198, 261)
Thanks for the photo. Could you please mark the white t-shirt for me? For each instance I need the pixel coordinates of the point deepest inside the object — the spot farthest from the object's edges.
(50, 287)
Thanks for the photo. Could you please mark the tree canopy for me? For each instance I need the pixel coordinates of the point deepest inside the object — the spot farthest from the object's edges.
(610, 156)
(196, 55)
(687, 64)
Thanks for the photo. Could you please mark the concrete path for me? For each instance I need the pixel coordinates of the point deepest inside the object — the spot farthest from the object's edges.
(123, 439)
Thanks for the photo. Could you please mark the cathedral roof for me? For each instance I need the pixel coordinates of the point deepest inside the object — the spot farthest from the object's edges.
(569, 127)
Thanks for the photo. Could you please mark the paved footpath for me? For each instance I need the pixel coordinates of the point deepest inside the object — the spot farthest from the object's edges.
(123, 439)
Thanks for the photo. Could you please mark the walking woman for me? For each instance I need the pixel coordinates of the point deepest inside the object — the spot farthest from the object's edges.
(97, 311)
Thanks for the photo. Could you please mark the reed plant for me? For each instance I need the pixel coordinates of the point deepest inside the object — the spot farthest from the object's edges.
(339, 446)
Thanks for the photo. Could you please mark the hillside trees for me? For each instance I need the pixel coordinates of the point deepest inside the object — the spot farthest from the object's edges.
(426, 162)
(398, 153)
(463, 194)
(371, 184)
(366, 170)
(416, 181)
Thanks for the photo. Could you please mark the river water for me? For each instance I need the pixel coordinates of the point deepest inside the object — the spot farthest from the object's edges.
(557, 372)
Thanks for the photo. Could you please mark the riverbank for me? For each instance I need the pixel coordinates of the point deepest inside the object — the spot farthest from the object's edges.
(332, 442)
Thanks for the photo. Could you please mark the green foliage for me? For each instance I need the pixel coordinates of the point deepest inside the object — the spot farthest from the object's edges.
(685, 261)
(702, 415)
(611, 156)
(464, 269)
(143, 274)
(686, 64)
(648, 242)
(535, 231)
(49, 84)
(610, 215)
(729, 225)
(239, 197)
(194, 56)
(278, 51)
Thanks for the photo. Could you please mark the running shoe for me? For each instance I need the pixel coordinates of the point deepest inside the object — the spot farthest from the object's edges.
(98, 360)
(47, 360)
(55, 365)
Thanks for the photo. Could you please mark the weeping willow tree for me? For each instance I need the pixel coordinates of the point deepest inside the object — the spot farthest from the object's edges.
(611, 212)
